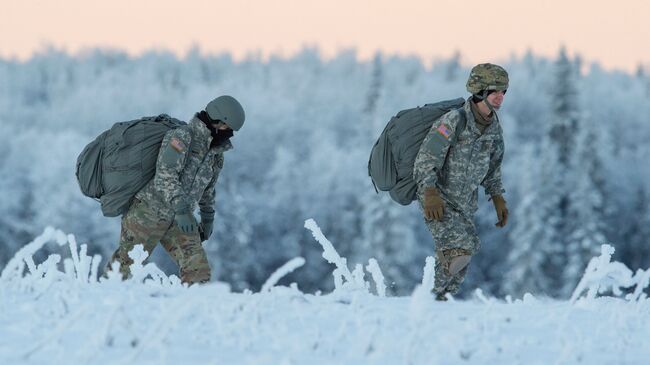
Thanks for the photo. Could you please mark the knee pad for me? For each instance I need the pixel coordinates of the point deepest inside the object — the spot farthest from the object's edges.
(458, 263)
(455, 259)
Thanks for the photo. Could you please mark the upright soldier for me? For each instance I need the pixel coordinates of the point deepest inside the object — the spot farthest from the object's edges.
(187, 169)
(449, 168)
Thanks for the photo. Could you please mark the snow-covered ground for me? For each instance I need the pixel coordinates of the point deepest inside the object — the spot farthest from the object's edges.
(59, 313)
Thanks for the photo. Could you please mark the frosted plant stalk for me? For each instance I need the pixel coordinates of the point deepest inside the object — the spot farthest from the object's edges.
(15, 267)
(377, 276)
(602, 274)
(85, 267)
(422, 292)
(140, 273)
(429, 276)
(329, 253)
(641, 279)
(419, 307)
(281, 272)
(94, 270)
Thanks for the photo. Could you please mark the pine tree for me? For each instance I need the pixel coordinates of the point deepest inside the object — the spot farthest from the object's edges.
(634, 249)
(640, 71)
(231, 243)
(534, 263)
(386, 233)
(564, 111)
(453, 67)
(556, 222)
(586, 219)
(376, 84)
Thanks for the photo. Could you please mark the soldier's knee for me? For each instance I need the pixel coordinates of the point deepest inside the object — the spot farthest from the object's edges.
(458, 263)
(196, 269)
(196, 275)
(454, 260)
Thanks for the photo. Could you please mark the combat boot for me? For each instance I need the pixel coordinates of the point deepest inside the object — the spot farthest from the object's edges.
(441, 297)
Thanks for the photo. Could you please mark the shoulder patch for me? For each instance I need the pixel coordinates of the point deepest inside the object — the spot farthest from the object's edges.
(444, 131)
(177, 144)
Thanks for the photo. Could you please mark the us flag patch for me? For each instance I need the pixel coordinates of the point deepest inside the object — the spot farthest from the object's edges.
(177, 144)
(442, 129)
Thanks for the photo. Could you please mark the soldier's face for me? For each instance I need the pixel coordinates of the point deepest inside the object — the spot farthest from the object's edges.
(496, 98)
(219, 126)
(222, 126)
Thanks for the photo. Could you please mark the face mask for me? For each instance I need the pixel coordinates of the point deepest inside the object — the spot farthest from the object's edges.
(220, 136)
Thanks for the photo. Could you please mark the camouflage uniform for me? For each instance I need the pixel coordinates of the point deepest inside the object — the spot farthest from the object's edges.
(187, 169)
(456, 172)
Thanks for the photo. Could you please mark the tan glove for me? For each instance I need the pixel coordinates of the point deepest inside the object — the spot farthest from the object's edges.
(434, 206)
(502, 210)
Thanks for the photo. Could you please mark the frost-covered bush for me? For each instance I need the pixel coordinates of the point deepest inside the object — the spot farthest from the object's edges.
(23, 272)
(343, 278)
(604, 276)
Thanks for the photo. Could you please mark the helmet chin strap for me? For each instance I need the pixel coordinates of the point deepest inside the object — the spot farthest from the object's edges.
(484, 99)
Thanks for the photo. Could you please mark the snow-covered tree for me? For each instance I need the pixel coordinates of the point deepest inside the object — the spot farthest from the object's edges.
(535, 261)
(303, 154)
(588, 202)
(547, 242)
(634, 248)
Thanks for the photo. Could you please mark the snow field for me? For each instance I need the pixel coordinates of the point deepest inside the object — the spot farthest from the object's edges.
(49, 316)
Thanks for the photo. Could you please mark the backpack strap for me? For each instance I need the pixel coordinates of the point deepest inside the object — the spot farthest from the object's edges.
(461, 124)
(373, 182)
(189, 151)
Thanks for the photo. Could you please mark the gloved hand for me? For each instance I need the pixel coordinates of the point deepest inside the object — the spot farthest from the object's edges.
(184, 218)
(206, 226)
(502, 211)
(434, 206)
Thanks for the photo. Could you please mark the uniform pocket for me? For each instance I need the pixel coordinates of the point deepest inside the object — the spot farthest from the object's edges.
(486, 146)
(220, 162)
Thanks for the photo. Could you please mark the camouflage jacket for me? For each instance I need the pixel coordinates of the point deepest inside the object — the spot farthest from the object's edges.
(457, 171)
(187, 168)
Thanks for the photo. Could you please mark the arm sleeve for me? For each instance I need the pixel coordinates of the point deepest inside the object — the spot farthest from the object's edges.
(431, 157)
(492, 182)
(206, 203)
(170, 163)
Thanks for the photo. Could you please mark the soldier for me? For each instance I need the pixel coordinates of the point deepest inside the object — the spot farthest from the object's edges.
(187, 168)
(448, 174)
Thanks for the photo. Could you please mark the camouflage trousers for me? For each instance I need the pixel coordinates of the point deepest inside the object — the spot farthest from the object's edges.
(455, 235)
(142, 225)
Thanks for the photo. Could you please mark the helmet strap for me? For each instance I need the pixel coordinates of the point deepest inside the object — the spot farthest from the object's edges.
(496, 116)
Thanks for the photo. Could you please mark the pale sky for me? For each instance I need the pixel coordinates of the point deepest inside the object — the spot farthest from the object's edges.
(614, 33)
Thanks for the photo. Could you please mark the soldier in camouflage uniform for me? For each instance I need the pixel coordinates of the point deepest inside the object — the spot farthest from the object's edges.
(448, 174)
(187, 169)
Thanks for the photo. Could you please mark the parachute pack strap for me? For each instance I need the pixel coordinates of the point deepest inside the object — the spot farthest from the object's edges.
(461, 124)
(133, 123)
(189, 151)
(369, 174)
(163, 118)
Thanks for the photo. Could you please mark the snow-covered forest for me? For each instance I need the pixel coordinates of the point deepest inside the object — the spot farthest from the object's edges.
(575, 168)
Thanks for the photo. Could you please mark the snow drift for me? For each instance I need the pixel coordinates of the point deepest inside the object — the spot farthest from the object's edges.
(59, 311)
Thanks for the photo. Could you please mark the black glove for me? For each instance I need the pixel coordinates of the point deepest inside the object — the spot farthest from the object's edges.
(206, 226)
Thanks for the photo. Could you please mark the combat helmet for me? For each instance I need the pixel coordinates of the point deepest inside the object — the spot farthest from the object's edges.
(485, 77)
(228, 110)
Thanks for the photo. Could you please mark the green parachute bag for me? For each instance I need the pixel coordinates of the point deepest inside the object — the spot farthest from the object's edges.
(121, 161)
(391, 161)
